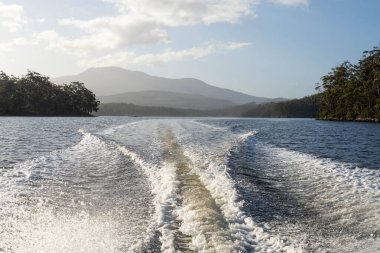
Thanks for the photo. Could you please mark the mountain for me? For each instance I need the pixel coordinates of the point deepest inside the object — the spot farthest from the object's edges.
(123, 109)
(108, 81)
(306, 107)
(168, 99)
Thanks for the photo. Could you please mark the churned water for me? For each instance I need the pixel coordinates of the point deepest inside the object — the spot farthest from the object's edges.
(117, 184)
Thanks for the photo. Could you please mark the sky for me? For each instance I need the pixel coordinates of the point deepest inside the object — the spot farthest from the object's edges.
(270, 48)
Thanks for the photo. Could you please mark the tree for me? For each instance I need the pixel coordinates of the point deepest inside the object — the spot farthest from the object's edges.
(352, 92)
(35, 95)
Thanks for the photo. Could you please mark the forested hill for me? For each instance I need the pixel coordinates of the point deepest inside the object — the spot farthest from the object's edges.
(34, 95)
(124, 109)
(306, 107)
(352, 92)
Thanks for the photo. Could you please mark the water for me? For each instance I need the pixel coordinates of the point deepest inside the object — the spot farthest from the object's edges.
(117, 184)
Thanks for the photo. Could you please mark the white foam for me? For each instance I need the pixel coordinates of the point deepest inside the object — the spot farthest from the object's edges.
(165, 189)
(170, 205)
(247, 235)
(245, 136)
(345, 196)
(47, 232)
(209, 126)
(113, 129)
(340, 173)
(209, 163)
(89, 140)
(32, 222)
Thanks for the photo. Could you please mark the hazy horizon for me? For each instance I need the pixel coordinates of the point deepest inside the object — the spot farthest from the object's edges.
(126, 86)
(268, 48)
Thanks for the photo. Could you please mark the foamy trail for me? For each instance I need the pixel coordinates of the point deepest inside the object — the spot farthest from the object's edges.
(209, 174)
(196, 202)
(246, 234)
(180, 185)
(245, 136)
(136, 141)
(188, 217)
(210, 127)
(336, 204)
(163, 186)
(338, 189)
(111, 130)
(62, 202)
(200, 216)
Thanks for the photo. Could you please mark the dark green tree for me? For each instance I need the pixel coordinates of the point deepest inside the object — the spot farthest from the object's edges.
(35, 95)
(352, 92)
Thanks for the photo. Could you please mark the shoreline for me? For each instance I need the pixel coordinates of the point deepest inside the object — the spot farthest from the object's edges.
(367, 120)
(50, 116)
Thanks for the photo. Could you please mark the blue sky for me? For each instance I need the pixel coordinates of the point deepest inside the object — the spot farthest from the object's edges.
(272, 48)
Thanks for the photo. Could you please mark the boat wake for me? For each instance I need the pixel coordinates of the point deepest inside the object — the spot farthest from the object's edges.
(161, 185)
(327, 206)
(196, 200)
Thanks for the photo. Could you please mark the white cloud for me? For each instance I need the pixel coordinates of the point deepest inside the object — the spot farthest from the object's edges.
(52, 40)
(12, 17)
(9, 46)
(235, 45)
(105, 40)
(118, 31)
(41, 20)
(145, 21)
(291, 2)
(187, 12)
(169, 55)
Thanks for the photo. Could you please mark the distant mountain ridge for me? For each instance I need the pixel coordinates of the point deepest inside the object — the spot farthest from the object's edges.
(168, 99)
(114, 82)
(306, 107)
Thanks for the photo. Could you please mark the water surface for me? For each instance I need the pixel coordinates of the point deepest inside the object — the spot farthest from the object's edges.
(118, 184)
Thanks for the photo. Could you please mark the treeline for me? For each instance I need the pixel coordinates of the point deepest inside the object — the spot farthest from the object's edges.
(34, 95)
(352, 92)
(306, 107)
(124, 109)
(298, 108)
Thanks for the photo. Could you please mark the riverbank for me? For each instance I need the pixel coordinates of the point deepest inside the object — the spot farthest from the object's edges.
(370, 120)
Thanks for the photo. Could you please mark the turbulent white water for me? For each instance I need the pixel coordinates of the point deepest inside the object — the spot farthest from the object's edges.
(170, 185)
(73, 201)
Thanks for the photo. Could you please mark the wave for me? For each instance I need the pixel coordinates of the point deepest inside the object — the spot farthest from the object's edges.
(197, 206)
(247, 235)
(169, 186)
(111, 130)
(209, 126)
(243, 137)
(336, 202)
(359, 180)
(162, 186)
(74, 200)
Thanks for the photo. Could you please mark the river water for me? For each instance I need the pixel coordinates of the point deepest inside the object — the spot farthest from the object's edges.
(119, 184)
